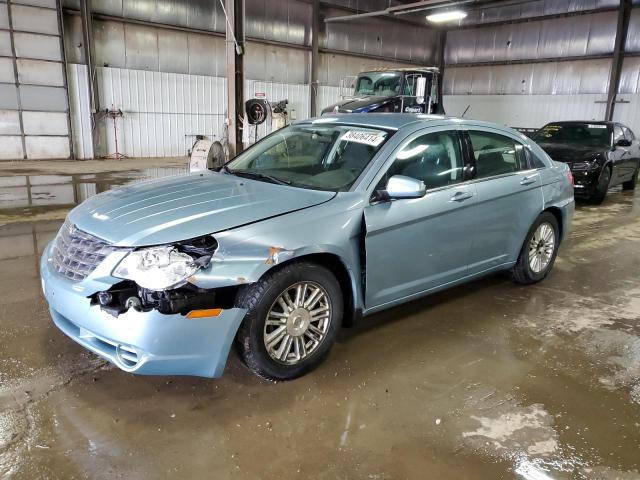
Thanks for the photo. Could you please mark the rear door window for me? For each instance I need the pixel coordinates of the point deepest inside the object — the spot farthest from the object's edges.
(495, 154)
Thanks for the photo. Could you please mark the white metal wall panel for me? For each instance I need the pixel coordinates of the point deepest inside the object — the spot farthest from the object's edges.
(33, 45)
(6, 70)
(162, 111)
(40, 103)
(39, 72)
(47, 147)
(9, 122)
(528, 111)
(11, 148)
(37, 3)
(5, 42)
(45, 123)
(36, 97)
(80, 111)
(33, 19)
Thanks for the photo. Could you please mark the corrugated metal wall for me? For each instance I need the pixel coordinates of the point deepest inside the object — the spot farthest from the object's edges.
(34, 118)
(575, 36)
(530, 77)
(170, 83)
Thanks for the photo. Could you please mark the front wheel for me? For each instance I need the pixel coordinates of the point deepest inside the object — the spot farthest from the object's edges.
(539, 250)
(293, 315)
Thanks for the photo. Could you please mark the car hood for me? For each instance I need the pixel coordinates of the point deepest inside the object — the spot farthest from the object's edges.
(569, 153)
(358, 105)
(188, 206)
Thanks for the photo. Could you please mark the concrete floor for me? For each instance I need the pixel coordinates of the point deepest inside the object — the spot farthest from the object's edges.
(490, 380)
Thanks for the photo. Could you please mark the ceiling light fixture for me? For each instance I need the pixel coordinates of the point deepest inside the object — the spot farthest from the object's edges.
(446, 16)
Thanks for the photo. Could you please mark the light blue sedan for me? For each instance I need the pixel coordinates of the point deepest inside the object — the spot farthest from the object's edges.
(317, 225)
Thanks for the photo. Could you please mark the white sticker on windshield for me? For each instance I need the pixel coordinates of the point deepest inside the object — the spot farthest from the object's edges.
(359, 136)
(596, 126)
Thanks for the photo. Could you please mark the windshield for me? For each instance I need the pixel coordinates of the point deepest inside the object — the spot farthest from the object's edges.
(581, 134)
(324, 157)
(378, 83)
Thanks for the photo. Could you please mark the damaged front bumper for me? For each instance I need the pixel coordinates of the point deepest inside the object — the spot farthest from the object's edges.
(143, 342)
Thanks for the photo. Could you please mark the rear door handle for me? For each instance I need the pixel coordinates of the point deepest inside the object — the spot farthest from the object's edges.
(461, 197)
(528, 180)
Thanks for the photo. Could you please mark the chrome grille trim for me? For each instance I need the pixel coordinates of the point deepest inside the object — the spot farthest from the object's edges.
(76, 253)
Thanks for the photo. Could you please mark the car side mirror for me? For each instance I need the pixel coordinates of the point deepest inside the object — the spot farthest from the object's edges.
(623, 142)
(400, 186)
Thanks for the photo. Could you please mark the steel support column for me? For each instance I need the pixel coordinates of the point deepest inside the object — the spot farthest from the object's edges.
(86, 20)
(315, 33)
(442, 44)
(624, 15)
(235, 73)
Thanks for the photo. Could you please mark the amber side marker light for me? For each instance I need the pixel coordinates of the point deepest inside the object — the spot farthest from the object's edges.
(209, 312)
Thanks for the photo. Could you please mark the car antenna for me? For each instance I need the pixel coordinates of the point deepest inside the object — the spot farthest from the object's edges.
(465, 111)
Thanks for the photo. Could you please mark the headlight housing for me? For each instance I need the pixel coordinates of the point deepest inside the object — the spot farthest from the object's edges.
(157, 268)
(584, 165)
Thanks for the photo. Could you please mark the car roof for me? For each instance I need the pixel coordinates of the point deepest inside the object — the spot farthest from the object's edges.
(592, 122)
(394, 121)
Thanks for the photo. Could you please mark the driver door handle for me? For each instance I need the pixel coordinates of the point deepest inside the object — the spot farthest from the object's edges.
(461, 196)
(528, 180)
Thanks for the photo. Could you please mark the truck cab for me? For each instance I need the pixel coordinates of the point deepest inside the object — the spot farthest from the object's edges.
(406, 90)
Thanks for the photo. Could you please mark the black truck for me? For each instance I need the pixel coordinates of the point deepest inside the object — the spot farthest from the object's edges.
(408, 90)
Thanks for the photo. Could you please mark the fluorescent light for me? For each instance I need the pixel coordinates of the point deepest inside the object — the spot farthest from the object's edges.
(446, 16)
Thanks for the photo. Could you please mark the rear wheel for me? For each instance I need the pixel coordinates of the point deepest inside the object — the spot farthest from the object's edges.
(631, 184)
(292, 319)
(603, 186)
(539, 251)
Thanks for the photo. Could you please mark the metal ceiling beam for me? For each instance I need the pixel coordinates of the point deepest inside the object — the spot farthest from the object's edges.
(178, 28)
(234, 11)
(529, 61)
(624, 14)
(401, 9)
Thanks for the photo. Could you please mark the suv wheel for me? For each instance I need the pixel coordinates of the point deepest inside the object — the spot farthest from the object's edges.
(293, 315)
(539, 250)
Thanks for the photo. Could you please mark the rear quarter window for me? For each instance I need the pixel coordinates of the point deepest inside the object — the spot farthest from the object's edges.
(533, 160)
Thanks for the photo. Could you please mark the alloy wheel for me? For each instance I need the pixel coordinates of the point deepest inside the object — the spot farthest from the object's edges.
(541, 247)
(297, 323)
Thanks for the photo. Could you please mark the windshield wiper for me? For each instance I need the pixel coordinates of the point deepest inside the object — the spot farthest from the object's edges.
(258, 176)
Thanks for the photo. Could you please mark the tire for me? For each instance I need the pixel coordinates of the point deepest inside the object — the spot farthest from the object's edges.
(523, 272)
(631, 184)
(261, 300)
(603, 186)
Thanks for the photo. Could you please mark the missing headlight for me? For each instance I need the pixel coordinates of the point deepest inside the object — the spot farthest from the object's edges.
(124, 295)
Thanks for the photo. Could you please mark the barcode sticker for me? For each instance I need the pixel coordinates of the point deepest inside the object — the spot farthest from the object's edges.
(368, 138)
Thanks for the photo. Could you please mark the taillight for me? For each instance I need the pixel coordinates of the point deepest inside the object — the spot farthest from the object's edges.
(570, 178)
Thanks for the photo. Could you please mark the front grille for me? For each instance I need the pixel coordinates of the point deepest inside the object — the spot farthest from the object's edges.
(76, 253)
